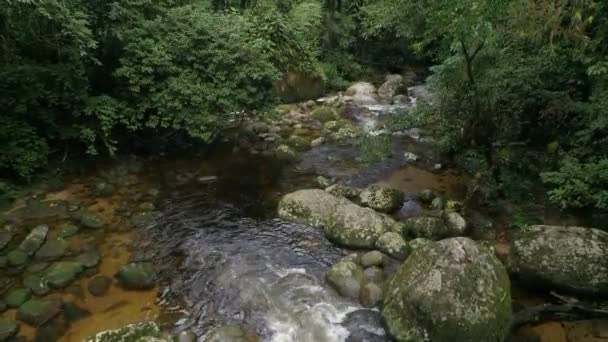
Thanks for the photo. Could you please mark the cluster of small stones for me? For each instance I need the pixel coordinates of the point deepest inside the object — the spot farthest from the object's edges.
(36, 261)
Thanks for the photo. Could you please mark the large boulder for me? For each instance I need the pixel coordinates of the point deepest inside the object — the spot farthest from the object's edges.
(343, 221)
(382, 198)
(347, 277)
(362, 93)
(393, 85)
(572, 259)
(451, 290)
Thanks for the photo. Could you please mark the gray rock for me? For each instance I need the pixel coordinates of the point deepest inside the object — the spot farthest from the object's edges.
(324, 182)
(571, 259)
(362, 94)
(343, 221)
(393, 85)
(99, 286)
(34, 240)
(394, 245)
(62, 273)
(452, 290)
(137, 276)
(410, 157)
(131, 333)
(341, 190)
(52, 249)
(17, 257)
(427, 227)
(37, 284)
(185, 336)
(347, 277)
(374, 274)
(90, 258)
(455, 223)
(8, 329)
(426, 195)
(418, 243)
(370, 295)
(373, 258)
(381, 198)
(90, 219)
(438, 203)
(36, 312)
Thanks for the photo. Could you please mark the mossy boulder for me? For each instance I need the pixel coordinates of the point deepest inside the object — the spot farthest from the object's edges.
(137, 276)
(570, 259)
(418, 243)
(340, 190)
(284, 152)
(394, 245)
(16, 257)
(63, 273)
(36, 312)
(34, 240)
(433, 228)
(451, 290)
(37, 283)
(382, 198)
(67, 230)
(347, 277)
(343, 221)
(324, 114)
(455, 223)
(130, 333)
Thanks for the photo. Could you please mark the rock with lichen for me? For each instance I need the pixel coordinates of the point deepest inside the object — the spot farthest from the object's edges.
(451, 290)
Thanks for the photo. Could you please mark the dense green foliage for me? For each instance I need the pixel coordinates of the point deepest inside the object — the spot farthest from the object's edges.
(520, 84)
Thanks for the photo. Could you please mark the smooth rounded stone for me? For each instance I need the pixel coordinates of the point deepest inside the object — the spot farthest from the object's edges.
(284, 152)
(15, 297)
(34, 240)
(394, 245)
(343, 221)
(570, 259)
(393, 85)
(317, 142)
(16, 257)
(52, 249)
(137, 276)
(324, 114)
(364, 325)
(381, 198)
(426, 195)
(38, 311)
(185, 336)
(438, 203)
(89, 219)
(432, 228)
(37, 284)
(37, 267)
(323, 182)
(52, 330)
(62, 273)
(452, 290)
(67, 230)
(347, 277)
(341, 190)
(8, 329)
(90, 258)
(410, 157)
(455, 223)
(362, 94)
(372, 258)
(370, 295)
(230, 333)
(374, 274)
(132, 332)
(418, 243)
(99, 286)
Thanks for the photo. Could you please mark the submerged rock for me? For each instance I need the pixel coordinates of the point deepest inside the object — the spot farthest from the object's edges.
(37, 283)
(90, 219)
(6, 235)
(16, 297)
(137, 276)
(38, 311)
(363, 326)
(99, 286)
(34, 240)
(452, 290)
(394, 245)
(130, 333)
(343, 221)
(67, 230)
(52, 249)
(90, 258)
(8, 329)
(61, 274)
(231, 333)
(347, 277)
(381, 198)
(572, 259)
(17, 257)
